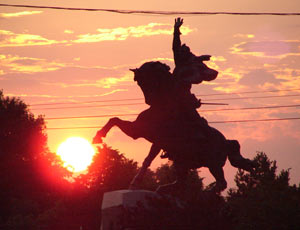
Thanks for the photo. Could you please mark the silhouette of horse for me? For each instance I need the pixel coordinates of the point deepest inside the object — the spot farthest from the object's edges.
(189, 144)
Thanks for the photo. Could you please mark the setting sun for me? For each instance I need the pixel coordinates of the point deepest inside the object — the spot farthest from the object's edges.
(76, 153)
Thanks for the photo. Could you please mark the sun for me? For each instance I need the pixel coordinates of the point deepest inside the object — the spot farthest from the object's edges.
(76, 153)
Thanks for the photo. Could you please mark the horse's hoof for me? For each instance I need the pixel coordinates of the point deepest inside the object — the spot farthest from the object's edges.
(250, 166)
(97, 140)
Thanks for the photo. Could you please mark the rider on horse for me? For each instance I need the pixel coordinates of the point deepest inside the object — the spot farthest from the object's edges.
(172, 123)
(189, 69)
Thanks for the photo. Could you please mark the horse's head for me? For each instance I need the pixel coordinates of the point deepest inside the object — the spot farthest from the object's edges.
(154, 78)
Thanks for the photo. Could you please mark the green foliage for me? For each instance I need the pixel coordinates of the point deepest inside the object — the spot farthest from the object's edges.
(263, 199)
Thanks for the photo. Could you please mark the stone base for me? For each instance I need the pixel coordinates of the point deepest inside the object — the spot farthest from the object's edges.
(115, 204)
(146, 210)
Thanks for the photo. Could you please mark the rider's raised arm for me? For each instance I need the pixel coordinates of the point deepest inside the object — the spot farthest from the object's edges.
(176, 39)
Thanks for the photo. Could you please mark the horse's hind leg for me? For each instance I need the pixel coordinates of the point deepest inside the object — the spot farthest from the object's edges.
(127, 127)
(154, 151)
(235, 157)
(218, 173)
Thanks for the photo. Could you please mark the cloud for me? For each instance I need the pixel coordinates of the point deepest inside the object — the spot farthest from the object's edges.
(268, 49)
(214, 60)
(31, 95)
(12, 64)
(289, 78)
(287, 73)
(114, 91)
(10, 39)
(65, 81)
(227, 80)
(244, 35)
(258, 77)
(68, 31)
(19, 14)
(121, 33)
(112, 81)
(218, 58)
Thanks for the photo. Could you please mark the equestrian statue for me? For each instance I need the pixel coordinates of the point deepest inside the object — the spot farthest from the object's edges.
(172, 123)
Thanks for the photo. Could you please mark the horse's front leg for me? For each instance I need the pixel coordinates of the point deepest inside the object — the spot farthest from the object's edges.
(127, 127)
(154, 151)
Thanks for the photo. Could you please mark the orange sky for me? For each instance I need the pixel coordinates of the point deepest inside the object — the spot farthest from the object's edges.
(52, 56)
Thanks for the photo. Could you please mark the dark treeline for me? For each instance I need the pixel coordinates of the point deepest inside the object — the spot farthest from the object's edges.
(36, 192)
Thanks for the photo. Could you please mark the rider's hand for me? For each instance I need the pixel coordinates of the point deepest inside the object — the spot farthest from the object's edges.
(178, 22)
(204, 57)
(199, 103)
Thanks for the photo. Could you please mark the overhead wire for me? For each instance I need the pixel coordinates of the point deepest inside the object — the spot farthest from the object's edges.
(208, 110)
(89, 106)
(212, 122)
(157, 12)
(257, 97)
(256, 120)
(250, 92)
(130, 104)
(136, 99)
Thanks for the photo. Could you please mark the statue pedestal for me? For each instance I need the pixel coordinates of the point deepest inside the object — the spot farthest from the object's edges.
(115, 206)
(146, 210)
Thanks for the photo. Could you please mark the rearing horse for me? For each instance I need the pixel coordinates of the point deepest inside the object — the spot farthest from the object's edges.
(188, 144)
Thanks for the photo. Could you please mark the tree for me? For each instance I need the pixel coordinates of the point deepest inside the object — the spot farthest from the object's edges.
(263, 199)
(166, 174)
(189, 208)
(110, 170)
(26, 165)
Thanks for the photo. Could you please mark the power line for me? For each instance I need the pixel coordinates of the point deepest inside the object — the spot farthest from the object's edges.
(252, 108)
(87, 102)
(208, 110)
(156, 12)
(212, 122)
(130, 104)
(258, 97)
(89, 106)
(257, 120)
(136, 99)
(95, 116)
(250, 92)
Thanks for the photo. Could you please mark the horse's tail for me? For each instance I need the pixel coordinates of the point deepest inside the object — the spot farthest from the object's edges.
(235, 157)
